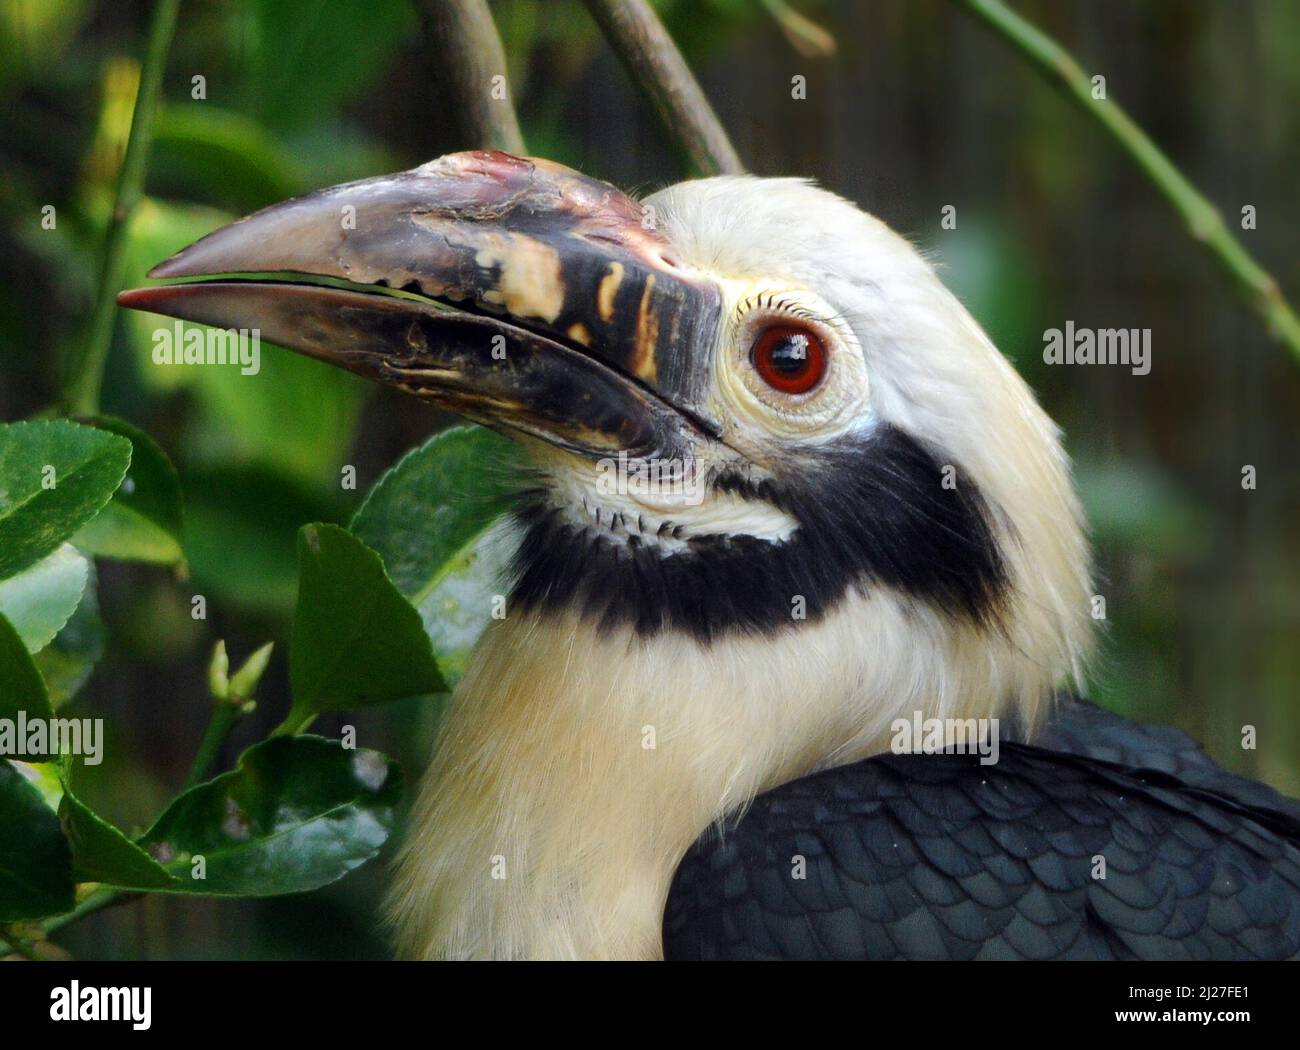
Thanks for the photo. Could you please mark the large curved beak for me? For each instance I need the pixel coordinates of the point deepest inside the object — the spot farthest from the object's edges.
(514, 292)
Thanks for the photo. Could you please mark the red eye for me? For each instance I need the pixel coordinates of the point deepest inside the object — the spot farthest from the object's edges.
(789, 358)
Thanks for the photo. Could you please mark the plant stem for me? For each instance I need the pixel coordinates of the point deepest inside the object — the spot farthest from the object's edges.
(96, 901)
(11, 942)
(293, 724)
(658, 69)
(85, 375)
(465, 55)
(232, 696)
(1203, 221)
(224, 716)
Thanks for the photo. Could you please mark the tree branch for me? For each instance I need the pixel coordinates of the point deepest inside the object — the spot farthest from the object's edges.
(1255, 285)
(658, 69)
(465, 54)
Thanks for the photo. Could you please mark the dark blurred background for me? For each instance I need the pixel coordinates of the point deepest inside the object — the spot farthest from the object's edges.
(920, 107)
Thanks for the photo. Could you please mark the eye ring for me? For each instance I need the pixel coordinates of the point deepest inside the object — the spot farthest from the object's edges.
(789, 358)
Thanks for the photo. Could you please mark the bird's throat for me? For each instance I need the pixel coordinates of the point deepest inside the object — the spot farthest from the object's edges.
(574, 770)
(577, 764)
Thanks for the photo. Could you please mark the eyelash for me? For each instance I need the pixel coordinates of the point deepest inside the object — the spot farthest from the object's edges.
(787, 306)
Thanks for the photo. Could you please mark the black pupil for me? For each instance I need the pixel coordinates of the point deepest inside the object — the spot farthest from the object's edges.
(790, 354)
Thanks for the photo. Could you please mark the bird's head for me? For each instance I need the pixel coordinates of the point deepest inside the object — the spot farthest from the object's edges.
(750, 404)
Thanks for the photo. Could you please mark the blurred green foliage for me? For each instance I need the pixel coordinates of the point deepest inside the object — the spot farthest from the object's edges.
(918, 109)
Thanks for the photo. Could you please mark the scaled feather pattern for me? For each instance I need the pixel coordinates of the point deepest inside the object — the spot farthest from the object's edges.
(939, 857)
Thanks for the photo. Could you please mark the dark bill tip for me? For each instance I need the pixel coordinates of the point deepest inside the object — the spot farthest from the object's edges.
(482, 368)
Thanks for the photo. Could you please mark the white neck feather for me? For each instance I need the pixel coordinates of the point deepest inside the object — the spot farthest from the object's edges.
(576, 766)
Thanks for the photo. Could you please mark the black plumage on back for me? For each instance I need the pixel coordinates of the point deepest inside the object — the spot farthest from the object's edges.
(939, 857)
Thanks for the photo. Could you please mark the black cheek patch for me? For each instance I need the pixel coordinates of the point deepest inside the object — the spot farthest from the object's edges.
(875, 513)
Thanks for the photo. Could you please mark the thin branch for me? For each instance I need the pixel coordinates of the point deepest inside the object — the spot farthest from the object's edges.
(466, 56)
(1255, 285)
(223, 719)
(805, 35)
(658, 69)
(85, 374)
(12, 942)
(100, 898)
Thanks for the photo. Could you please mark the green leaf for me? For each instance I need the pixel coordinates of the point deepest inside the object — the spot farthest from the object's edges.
(202, 151)
(21, 691)
(298, 813)
(430, 518)
(457, 610)
(241, 527)
(101, 853)
(295, 416)
(356, 640)
(35, 863)
(283, 81)
(434, 504)
(41, 599)
(66, 662)
(54, 477)
(145, 519)
(44, 777)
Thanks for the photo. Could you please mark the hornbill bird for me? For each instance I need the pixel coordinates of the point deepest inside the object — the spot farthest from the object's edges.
(680, 741)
